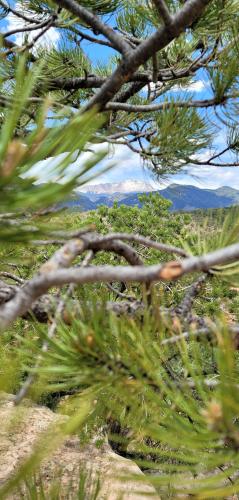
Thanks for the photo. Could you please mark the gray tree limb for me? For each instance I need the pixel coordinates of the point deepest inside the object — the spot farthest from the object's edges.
(189, 13)
(173, 270)
(117, 40)
(161, 106)
(163, 11)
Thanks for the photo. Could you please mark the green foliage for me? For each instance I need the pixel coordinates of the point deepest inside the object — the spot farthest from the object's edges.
(151, 219)
(173, 147)
(179, 409)
(175, 404)
(24, 185)
(213, 235)
(61, 60)
(34, 488)
(167, 148)
(224, 78)
(173, 399)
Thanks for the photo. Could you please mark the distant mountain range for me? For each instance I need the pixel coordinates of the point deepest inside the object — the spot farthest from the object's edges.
(130, 186)
(185, 198)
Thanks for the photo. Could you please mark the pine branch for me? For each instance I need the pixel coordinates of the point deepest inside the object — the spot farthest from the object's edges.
(16, 13)
(51, 333)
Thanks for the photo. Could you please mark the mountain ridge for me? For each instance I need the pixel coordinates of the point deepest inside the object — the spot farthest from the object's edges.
(183, 197)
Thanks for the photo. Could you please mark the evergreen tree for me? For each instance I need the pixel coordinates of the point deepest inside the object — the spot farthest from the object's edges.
(162, 374)
(154, 56)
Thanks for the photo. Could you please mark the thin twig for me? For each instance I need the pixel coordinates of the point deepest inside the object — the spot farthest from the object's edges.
(199, 334)
(120, 294)
(27, 28)
(184, 308)
(162, 106)
(12, 277)
(143, 241)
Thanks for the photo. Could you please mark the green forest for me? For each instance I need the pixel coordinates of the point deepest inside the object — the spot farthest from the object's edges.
(119, 366)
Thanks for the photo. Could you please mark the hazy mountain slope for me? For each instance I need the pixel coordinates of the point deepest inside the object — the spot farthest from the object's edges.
(79, 202)
(191, 197)
(228, 191)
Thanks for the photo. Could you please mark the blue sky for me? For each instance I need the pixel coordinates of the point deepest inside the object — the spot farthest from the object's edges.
(128, 164)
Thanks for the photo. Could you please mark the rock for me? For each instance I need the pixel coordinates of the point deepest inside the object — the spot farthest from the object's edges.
(20, 431)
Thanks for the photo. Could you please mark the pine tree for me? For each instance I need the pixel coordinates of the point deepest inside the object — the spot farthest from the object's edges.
(153, 50)
(162, 373)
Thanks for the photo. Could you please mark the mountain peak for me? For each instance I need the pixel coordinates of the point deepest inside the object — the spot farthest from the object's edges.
(129, 186)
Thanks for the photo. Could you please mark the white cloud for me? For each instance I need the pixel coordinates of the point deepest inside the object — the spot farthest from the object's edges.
(48, 170)
(209, 177)
(129, 166)
(196, 86)
(153, 86)
(49, 38)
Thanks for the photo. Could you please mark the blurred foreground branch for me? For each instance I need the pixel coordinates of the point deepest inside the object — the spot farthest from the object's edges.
(56, 272)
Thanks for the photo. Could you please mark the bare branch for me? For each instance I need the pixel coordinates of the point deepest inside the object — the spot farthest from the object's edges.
(211, 161)
(64, 235)
(88, 241)
(40, 284)
(143, 241)
(201, 333)
(118, 42)
(184, 309)
(63, 257)
(27, 28)
(190, 12)
(163, 11)
(12, 277)
(161, 106)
